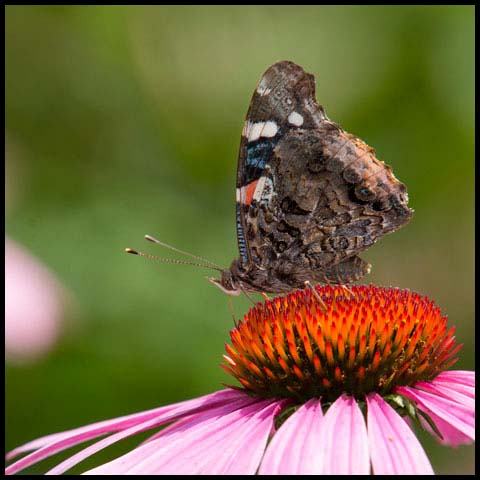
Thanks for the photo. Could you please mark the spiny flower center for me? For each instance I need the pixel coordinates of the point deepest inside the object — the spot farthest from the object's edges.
(371, 339)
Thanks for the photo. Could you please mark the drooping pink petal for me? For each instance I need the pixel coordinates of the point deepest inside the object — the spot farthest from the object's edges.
(116, 437)
(52, 444)
(232, 445)
(293, 449)
(394, 448)
(456, 415)
(343, 439)
(115, 424)
(121, 464)
(226, 444)
(450, 435)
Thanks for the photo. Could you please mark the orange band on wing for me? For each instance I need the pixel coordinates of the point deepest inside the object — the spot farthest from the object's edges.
(248, 192)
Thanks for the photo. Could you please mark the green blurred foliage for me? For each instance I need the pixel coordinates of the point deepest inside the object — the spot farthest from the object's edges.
(126, 120)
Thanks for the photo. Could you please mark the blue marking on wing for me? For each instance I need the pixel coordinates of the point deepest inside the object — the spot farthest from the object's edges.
(257, 157)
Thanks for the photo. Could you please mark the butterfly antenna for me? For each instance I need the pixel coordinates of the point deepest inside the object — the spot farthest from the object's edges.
(170, 260)
(166, 245)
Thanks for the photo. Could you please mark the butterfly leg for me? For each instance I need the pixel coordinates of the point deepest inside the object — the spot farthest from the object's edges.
(316, 295)
(265, 296)
(230, 307)
(343, 288)
(346, 289)
(248, 296)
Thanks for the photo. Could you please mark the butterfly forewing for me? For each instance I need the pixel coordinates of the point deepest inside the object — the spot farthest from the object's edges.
(282, 100)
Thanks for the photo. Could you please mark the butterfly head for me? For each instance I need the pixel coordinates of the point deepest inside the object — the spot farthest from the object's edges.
(227, 283)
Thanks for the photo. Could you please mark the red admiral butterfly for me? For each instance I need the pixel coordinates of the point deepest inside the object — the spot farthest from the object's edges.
(310, 197)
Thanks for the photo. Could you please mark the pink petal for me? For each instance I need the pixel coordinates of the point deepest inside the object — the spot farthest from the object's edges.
(226, 444)
(52, 444)
(394, 448)
(293, 449)
(230, 446)
(456, 415)
(344, 439)
(451, 436)
(445, 391)
(458, 381)
(118, 423)
(121, 464)
(465, 377)
(114, 438)
(457, 387)
(249, 447)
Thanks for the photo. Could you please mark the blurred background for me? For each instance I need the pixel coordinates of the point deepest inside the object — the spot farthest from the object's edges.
(122, 121)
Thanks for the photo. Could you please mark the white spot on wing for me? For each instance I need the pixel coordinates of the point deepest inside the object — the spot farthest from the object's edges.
(269, 130)
(257, 195)
(295, 119)
(238, 194)
(264, 190)
(253, 131)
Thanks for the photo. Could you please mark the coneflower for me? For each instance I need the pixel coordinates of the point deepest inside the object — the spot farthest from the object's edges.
(330, 386)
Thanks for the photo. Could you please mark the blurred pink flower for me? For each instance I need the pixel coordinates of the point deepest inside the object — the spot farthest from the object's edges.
(33, 305)
(347, 410)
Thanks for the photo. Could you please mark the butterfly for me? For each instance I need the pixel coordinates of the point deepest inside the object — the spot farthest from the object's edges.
(309, 196)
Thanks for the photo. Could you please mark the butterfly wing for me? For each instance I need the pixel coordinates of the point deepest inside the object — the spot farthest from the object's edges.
(310, 196)
(282, 91)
